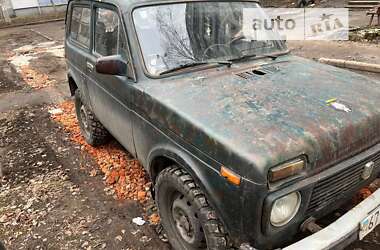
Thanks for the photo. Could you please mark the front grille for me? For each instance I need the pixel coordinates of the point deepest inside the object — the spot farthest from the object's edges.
(331, 188)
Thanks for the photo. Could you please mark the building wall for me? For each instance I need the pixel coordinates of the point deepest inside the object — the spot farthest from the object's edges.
(23, 4)
(37, 11)
(48, 2)
(23, 8)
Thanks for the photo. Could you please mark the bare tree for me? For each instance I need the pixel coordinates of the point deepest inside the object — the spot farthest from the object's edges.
(177, 43)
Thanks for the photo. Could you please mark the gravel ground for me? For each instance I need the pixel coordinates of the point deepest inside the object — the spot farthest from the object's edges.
(57, 192)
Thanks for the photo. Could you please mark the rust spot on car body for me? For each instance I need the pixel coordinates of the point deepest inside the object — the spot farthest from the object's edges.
(271, 118)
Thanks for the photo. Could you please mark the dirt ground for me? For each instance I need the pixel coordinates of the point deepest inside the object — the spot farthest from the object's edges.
(57, 192)
(52, 196)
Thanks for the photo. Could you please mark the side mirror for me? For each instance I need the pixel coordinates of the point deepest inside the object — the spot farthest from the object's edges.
(111, 65)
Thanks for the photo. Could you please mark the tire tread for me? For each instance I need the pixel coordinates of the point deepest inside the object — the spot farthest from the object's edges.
(215, 234)
(98, 133)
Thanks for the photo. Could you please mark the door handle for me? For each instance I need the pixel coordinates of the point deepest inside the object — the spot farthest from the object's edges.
(90, 66)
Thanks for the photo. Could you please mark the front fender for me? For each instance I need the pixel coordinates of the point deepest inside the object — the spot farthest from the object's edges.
(226, 199)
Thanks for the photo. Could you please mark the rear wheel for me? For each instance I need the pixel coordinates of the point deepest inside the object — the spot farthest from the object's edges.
(92, 130)
(188, 219)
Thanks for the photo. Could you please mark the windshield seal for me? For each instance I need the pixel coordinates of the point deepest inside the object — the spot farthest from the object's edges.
(136, 6)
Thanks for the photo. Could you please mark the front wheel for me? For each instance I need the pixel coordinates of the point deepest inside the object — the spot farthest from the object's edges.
(92, 130)
(189, 221)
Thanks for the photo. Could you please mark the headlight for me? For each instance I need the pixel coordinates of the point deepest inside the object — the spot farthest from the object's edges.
(284, 209)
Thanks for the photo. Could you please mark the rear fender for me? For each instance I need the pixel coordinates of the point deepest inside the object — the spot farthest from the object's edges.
(80, 83)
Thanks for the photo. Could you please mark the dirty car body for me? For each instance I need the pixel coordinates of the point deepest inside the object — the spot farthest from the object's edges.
(252, 117)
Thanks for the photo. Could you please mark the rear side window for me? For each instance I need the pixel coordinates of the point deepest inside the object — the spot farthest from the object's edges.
(80, 25)
(107, 27)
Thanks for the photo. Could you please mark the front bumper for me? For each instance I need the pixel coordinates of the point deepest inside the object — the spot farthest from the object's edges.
(341, 232)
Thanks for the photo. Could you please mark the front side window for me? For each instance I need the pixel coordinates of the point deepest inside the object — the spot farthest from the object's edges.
(106, 32)
(178, 34)
(80, 25)
(123, 45)
(110, 38)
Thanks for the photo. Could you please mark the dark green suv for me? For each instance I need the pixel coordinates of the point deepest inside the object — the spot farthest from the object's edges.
(246, 144)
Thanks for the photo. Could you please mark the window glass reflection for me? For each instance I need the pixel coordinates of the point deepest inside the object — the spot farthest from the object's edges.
(171, 35)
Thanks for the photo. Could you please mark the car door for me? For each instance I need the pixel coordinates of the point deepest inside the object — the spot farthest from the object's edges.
(110, 95)
(78, 41)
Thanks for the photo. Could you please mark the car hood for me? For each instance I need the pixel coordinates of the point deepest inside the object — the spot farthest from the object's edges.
(252, 120)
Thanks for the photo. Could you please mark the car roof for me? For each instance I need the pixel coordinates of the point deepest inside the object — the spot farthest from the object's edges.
(129, 4)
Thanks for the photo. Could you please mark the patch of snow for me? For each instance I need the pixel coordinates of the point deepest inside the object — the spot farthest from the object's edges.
(28, 52)
(55, 111)
(20, 60)
(138, 221)
(25, 48)
(46, 44)
(57, 51)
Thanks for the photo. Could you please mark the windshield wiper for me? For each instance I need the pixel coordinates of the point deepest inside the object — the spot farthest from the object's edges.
(192, 64)
(242, 58)
(270, 56)
(246, 57)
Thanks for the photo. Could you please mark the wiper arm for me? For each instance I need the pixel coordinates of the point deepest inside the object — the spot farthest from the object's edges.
(245, 57)
(192, 64)
(242, 58)
(271, 56)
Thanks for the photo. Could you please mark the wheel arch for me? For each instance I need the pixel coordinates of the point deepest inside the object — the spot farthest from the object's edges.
(72, 84)
(76, 82)
(164, 157)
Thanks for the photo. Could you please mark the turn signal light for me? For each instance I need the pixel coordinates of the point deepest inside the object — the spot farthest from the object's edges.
(286, 170)
(230, 176)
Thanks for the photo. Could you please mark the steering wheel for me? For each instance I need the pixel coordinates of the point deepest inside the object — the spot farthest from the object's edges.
(236, 39)
(225, 51)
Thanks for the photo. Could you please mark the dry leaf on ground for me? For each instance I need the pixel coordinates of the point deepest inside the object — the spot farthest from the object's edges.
(125, 174)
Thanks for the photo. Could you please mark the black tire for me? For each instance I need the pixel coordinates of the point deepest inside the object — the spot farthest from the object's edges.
(176, 191)
(92, 130)
(302, 3)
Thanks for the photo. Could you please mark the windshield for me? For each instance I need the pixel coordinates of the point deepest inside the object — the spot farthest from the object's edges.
(177, 34)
